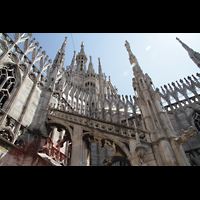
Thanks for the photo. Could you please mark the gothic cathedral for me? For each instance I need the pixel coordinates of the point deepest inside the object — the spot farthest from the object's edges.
(51, 115)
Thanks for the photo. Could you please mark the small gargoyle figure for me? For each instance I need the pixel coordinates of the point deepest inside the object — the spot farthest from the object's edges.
(185, 135)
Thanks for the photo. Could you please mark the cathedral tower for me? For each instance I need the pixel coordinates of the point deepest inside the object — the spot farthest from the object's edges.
(81, 59)
(157, 122)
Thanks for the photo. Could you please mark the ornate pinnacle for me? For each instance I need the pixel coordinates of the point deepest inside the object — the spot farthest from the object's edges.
(64, 44)
(184, 45)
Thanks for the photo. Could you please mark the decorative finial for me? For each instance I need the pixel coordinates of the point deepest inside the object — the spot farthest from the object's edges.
(82, 44)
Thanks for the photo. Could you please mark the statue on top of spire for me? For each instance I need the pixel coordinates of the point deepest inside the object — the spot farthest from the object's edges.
(132, 58)
(82, 48)
(64, 44)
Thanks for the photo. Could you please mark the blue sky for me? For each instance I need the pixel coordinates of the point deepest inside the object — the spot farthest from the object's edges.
(159, 54)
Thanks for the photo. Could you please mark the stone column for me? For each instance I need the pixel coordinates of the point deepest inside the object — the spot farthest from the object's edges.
(52, 138)
(79, 151)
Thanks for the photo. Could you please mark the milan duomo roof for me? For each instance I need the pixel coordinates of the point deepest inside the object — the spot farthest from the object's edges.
(56, 115)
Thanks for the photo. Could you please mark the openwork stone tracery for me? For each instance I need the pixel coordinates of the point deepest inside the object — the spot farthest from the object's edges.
(7, 82)
(74, 116)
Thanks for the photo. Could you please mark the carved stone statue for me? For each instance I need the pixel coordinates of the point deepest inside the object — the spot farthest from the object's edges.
(127, 45)
(132, 58)
(141, 151)
(185, 135)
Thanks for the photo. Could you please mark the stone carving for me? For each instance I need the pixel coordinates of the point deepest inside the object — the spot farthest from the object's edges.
(112, 128)
(82, 98)
(14, 57)
(185, 135)
(141, 151)
(6, 134)
(7, 82)
(127, 45)
(132, 58)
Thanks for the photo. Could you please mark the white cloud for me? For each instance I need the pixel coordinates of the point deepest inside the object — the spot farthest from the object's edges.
(147, 49)
(125, 73)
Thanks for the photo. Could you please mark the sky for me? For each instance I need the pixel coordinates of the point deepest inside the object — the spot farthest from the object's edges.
(159, 54)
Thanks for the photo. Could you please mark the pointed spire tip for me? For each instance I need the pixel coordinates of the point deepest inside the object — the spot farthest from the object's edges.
(65, 40)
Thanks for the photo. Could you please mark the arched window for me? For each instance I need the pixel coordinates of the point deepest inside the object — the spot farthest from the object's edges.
(7, 82)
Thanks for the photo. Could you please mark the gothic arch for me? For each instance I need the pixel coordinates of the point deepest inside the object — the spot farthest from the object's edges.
(62, 123)
(121, 106)
(113, 107)
(117, 142)
(106, 103)
(106, 107)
